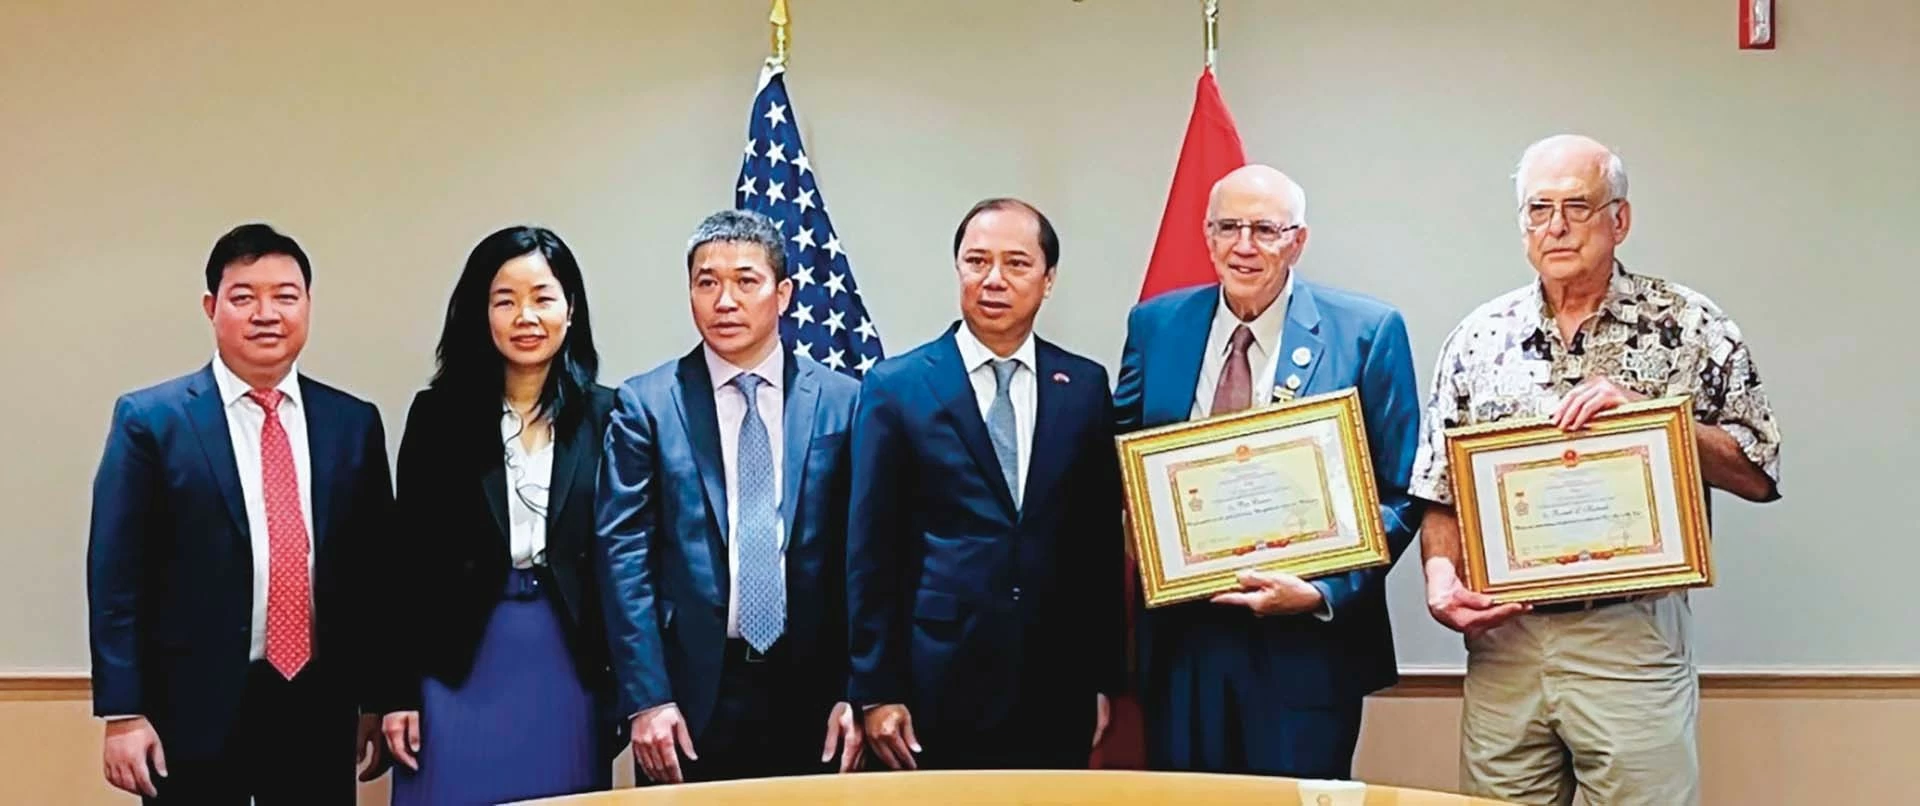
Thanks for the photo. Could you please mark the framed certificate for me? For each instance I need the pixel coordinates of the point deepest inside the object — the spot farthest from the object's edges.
(1283, 488)
(1614, 508)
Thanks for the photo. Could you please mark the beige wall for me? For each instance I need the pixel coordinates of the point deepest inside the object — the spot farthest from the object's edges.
(1828, 741)
(390, 136)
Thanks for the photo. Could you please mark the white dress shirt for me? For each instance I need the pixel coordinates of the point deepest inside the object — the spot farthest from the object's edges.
(730, 406)
(1263, 355)
(1022, 390)
(529, 478)
(244, 421)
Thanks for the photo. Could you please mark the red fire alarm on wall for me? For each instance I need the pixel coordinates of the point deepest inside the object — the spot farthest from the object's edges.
(1756, 24)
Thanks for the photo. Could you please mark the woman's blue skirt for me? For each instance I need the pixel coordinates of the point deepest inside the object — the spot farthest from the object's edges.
(521, 726)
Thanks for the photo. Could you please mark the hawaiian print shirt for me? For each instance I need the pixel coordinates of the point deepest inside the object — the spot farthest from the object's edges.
(1657, 338)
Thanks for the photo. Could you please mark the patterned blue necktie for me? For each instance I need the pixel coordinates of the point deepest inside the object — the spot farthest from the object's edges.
(1001, 427)
(763, 590)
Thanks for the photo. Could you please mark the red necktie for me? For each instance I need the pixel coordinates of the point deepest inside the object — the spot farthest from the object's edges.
(289, 590)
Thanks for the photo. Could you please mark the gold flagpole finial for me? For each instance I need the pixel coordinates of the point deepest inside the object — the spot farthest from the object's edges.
(779, 19)
(1210, 9)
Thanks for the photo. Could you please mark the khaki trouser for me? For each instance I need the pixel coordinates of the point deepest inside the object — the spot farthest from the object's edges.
(1603, 699)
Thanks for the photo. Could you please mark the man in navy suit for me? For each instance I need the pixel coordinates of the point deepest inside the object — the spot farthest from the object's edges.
(1269, 679)
(235, 516)
(985, 550)
(722, 520)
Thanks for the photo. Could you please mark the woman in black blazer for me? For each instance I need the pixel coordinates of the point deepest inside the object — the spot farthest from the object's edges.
(498, 686)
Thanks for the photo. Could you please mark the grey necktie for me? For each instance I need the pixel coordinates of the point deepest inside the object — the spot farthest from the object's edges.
(1002, 428)
(763, 591)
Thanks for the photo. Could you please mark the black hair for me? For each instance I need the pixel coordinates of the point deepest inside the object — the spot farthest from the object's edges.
(247, 243)
(469, 365)
(1049, 240)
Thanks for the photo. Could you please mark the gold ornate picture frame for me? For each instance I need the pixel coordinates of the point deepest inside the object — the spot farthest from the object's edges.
(1288, 487)
(1614, 508)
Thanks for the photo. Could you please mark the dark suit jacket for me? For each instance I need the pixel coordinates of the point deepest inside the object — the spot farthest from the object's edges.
(960, 605)
(1350, 341)
(450, 547)
(663, 536)
(170, 563)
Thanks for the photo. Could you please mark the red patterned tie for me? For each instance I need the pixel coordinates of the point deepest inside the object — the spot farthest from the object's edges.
(289, 599)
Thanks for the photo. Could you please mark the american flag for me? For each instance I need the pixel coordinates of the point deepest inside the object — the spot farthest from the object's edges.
(826, 320)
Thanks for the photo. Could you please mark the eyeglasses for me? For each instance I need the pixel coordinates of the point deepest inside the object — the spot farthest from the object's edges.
(1265, 233)
(1538, 212)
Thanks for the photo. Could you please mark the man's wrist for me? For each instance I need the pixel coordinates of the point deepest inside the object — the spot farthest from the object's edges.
(646, 712)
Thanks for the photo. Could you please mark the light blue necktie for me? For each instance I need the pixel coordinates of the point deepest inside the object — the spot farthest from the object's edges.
(1001, 427)
(763, 590)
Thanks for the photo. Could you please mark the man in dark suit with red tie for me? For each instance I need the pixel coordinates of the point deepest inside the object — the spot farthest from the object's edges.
(228, 573)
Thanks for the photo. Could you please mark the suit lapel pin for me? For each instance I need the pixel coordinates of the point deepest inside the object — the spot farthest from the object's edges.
(1061, 377)
(1301, 356)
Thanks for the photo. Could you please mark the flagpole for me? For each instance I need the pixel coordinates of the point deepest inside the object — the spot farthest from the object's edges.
(778, 16)
(1210, 12)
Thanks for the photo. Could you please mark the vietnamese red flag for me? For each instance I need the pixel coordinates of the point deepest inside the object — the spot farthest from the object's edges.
(1180, 258)
(1212, 150)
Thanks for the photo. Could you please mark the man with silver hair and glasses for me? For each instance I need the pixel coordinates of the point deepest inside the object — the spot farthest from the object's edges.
(1270, 679)
(1600, 693)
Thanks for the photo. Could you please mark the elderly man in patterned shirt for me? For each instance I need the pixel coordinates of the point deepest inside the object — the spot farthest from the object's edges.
(1600, 693)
